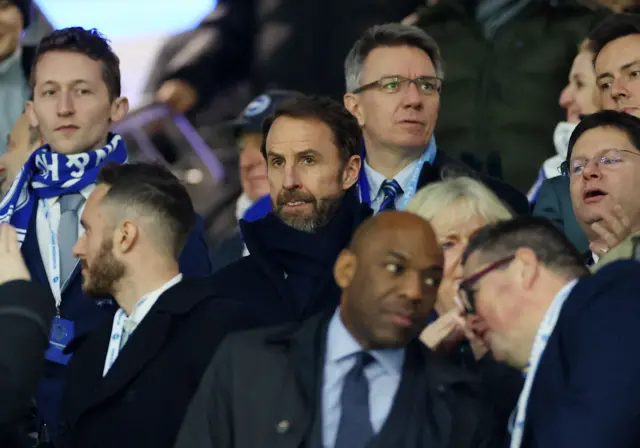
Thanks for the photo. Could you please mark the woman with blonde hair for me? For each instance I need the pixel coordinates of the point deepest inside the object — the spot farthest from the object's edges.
(456, 208)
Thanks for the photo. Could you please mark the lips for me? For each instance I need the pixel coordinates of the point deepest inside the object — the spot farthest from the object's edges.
(592, 195)
(67, 127)
(412, 122)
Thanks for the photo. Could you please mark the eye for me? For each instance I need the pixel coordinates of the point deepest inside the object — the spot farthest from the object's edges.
(308, 160)
(604, 85)
(48, 92)
(448, 245)
(393, 268)
(432, 282)
(634, 74)
(277, 162)
(428, 86)
(391, 85)
(84, 91)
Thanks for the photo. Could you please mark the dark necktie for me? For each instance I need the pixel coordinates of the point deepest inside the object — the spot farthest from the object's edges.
(355, 430)
(68, 233)
(391, 189)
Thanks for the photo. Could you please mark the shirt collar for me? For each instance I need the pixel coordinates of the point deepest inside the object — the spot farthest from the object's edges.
(342, 345)
(142, 308)
(85, 192)
(376, 179)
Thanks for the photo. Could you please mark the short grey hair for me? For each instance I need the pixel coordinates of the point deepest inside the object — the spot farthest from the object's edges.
(388, 35)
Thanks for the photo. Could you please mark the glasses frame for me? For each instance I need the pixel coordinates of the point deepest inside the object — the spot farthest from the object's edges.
(564, 166)
(465, 290)
(378, 83)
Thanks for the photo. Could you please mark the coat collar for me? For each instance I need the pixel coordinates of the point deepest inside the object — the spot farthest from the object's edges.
(149, 338)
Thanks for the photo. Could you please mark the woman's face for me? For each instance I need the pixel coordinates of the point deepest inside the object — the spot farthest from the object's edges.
(453, 235)
(579, 97)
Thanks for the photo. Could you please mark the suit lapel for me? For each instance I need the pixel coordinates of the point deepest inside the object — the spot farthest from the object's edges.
(301, 402)
(31, 251)
(143, 345)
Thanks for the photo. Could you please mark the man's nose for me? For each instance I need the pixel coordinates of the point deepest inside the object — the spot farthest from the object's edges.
(78, 248)
(619, 90)
(592, 169)
(412, 97)
(291, 178)
(65, 105)
(413, 286)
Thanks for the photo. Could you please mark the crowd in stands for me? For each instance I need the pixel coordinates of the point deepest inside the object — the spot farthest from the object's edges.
(429, 251)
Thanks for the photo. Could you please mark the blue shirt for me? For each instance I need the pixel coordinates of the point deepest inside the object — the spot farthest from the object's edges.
(384, 376)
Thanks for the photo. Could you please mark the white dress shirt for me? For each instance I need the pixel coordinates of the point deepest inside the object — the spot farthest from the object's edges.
(376, 179)
(43, 228)
(123, 326)
(384, 375)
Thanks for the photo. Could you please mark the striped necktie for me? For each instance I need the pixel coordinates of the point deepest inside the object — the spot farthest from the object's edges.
(392, 190)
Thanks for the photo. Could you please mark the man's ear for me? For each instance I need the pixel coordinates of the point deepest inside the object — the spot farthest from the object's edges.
(345, 268)
(528, 267)
(352, 104)
(119, 109)
(126, 236)
(31, 114)
(351, 172)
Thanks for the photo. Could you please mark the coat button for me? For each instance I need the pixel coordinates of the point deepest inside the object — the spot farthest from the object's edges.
(283, 426)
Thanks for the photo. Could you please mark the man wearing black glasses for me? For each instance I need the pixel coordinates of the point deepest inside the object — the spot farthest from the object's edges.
(568, 331)
(394, 75)
(603, 167)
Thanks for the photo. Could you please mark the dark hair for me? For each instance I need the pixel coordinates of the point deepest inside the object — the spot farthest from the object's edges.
(551, 246)
(156, 191)
(624, 122)
(87, 42)
(613, 27)
(346, 131)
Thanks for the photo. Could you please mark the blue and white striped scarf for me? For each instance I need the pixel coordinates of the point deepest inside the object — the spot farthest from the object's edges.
(47, 174)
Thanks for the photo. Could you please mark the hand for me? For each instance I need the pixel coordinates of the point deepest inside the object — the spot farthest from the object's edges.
(612, 230)
(445, 333)
(12, 265)
(474, 330)
(178, 95)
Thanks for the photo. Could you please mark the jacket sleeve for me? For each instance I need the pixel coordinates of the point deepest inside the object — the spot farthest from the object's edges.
(26, 310)
(548, 205)
(195, 259)
(600, 406)
(219, 51)
(208, 422)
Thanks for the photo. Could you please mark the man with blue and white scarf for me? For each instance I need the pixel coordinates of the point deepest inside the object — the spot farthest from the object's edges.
(76, 98)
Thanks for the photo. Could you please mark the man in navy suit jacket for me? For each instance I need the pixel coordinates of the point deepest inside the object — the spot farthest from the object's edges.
(572, 334)
(76, 98)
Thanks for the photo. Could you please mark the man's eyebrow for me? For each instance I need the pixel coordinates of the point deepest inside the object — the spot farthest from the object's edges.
(624, 67)
(308, 152)
(271, 153)
(434, 268)
(398, 255)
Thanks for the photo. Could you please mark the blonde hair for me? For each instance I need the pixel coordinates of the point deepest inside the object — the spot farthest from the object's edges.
(471, 198)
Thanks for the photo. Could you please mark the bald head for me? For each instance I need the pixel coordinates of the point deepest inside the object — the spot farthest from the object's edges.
(385, 225)
(389, 276)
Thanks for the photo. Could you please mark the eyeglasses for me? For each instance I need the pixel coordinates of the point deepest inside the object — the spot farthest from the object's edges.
(467, 294)
(609, 159)
(428, 85)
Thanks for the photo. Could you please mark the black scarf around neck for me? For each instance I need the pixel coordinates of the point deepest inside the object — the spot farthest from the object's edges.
(306, 258)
